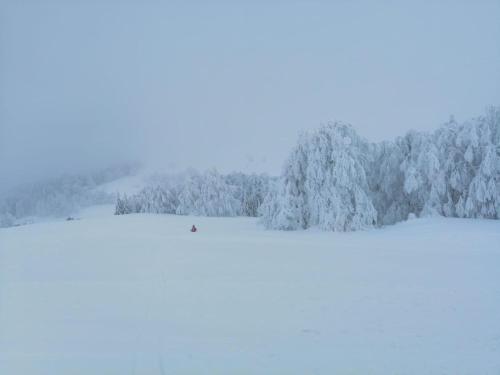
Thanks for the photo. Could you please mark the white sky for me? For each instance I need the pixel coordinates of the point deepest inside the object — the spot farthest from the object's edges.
(230, 84)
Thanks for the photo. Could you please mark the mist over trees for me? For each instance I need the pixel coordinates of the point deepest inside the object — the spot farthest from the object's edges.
(333, 179)
(336, 180)
(60, 196)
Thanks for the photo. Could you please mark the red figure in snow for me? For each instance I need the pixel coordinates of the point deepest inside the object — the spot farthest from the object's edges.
(193, 229)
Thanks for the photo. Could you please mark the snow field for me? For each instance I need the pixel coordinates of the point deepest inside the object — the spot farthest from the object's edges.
(140, 294)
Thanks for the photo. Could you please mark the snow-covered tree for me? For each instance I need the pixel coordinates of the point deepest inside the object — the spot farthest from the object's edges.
(189, 195)
(250, 190)
(192, 193)
(324, 183)
(288, 211)
(122, 205)
(208, 195)
(335, 180)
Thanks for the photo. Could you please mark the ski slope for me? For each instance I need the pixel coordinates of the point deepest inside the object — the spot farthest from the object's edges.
(140, 294)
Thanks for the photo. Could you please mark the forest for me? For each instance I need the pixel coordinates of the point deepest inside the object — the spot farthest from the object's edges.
(333, 179)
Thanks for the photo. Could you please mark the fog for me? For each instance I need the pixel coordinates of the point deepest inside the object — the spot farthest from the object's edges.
(88, 84)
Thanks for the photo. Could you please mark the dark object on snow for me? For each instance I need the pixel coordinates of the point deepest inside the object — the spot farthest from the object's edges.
(70, 218)
(193, 229)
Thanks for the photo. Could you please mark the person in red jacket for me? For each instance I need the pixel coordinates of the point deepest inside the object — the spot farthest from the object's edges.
(193, 229)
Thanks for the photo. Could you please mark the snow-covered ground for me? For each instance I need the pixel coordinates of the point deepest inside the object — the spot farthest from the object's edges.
(140, 294)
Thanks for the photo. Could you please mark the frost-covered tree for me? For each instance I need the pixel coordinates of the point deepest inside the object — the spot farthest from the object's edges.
(208, 195)
(482, 200)
(423, 183)
(483, 158)
(335, 180)
(217, 197)
(386, 180)
(159, 200)
(270, 206)
(189, 195)
(250, 190)
(288, 210)
(469, 155)
(192, 193)
(324, 184)
(122, 205)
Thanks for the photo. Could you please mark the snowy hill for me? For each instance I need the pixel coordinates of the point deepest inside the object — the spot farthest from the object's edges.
(58, 197)
(140, 294)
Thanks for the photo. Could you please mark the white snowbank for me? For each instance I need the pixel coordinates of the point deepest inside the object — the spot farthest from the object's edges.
(140, 294)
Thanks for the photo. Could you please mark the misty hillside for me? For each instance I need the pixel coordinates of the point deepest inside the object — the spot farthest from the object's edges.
(62, 196)
(333, 179)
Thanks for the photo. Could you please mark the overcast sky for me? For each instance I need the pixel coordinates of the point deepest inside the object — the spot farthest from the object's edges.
(230, 84)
